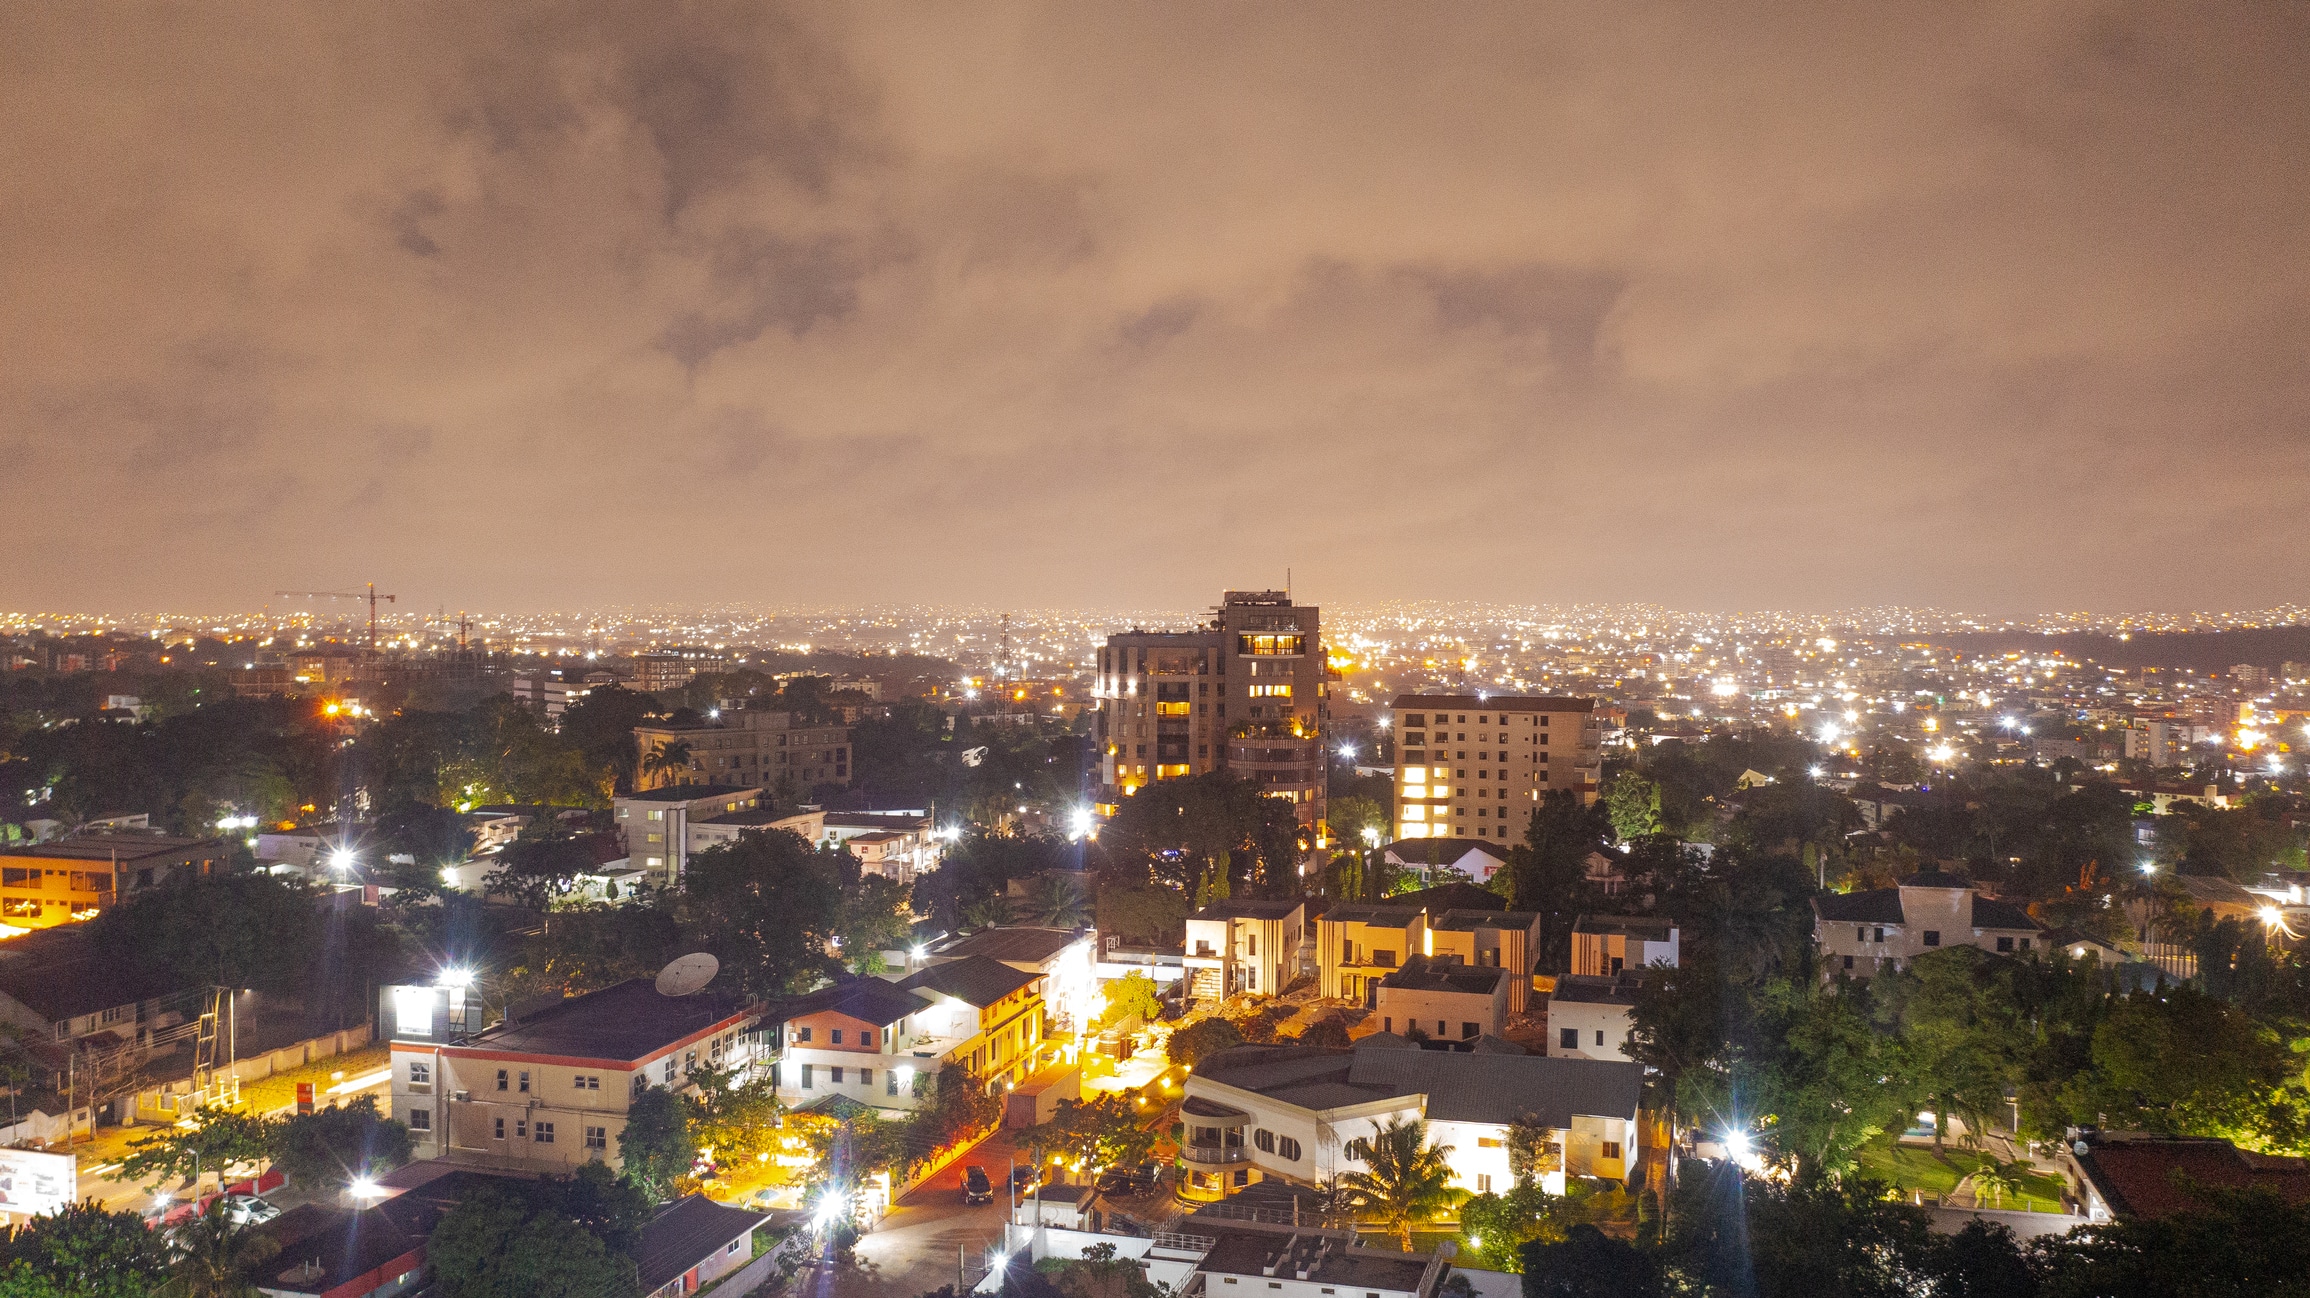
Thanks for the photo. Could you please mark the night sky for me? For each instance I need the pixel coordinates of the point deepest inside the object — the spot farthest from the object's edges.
(1993, 307)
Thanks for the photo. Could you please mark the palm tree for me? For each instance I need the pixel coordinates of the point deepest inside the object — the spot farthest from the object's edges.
(1408, 1179)
(1054, 900)
(1997, 1180)
(670, 757)
(216, 1256)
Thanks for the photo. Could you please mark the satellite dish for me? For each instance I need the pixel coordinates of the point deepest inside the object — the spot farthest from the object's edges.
(689, 974)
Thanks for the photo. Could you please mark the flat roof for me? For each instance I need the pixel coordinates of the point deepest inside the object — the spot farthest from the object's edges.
(687, 793)
(1249, 908)
(1378, 916)
(1496, 702)
(974, 980)
(1469, 921)
(1019, 945)
(1442, 976)
(1243, 1252)
(628, 1022)
(1651, 927)
(112, 847)
(751, 818)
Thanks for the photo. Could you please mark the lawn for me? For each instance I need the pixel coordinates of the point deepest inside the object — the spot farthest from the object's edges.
(1917, 1167)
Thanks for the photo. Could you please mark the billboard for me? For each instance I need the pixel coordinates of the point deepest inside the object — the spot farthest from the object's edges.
(32, 1183)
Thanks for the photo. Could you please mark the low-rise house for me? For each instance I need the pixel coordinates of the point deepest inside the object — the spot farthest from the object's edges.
(883, 1043)
(1243, 946)
(1885, 928)
(656, 822)
(1489, 939)
(2134, 1176)
(66, 880)
(1445, 1000)
(692, 1242)
(1358, 946)
(54, 985)
(1590, 1017)
(1064, 958)
(1427, 858)
(1298, 1113)
(549, 1089)
(1604, 945)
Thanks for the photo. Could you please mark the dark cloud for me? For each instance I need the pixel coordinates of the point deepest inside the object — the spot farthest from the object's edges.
(1793, 304)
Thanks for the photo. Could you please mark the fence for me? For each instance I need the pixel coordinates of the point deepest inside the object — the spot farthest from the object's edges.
(166, 1102)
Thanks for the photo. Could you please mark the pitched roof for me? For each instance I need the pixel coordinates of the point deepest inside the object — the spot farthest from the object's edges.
(58, 974)
(1935, 879)
(687, 1232)
(1493, 1088)
(628, 1022)
(2149, 1176)
(1989, 912)
(1874, 906)
(124, 848)
(869, 1000)
(973, 980)
(1023, 944)
(325, 1247)
(687, 792)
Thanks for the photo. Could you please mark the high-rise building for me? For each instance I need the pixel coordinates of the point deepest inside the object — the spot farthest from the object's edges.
(1244, 693)
(1476, 766)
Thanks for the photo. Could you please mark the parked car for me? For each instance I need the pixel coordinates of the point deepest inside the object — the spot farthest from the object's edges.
(976, 1187)
(1024, 1179)
(249, 1210)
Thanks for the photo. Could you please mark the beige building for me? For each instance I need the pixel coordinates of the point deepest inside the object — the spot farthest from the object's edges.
(765, 749)
(1443, 1000)
(1885, 928)
(657, 823)
(1245, 693)
(1243, 946)
(1357, 947)
(1470, 766)
(1605, 945)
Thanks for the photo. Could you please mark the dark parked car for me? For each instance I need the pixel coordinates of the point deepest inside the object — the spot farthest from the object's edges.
(1023, 1179)
(976, 1187)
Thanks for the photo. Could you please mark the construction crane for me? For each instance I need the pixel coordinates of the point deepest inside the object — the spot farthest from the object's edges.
(372, 596)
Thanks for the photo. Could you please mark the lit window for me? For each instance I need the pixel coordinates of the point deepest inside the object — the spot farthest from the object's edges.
(1415, 813)
(1416, 774)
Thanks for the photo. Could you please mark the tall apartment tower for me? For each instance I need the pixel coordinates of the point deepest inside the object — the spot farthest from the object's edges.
(1474, 766)
(1244, 693)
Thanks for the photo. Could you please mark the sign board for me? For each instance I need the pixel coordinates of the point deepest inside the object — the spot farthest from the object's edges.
(304, 1098)
(32, 1182)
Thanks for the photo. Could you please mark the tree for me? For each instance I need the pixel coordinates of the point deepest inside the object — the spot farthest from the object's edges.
(500, 1242)
(1407, 1180)
(215, 1257)
(334, 1147)
(538, 867)
(735, 1118)
(1132, 998)
(1141, 914)
(2232, 1242)
(1055, 900)
(227, 930)
(81, 1250)
(1995, 1181)
(766, 906)
(655, 1146)
(1352, 815)
(1587, 1263)
(1633, 804)
(669, 759)
(1961, 1033)
(1199, 1041)
(874, 919)
(218, 1140)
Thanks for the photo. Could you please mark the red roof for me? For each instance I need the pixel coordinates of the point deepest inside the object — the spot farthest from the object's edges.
(2159, 1177)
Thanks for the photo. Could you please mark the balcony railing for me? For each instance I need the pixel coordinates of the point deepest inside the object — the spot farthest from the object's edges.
(1213, 1153)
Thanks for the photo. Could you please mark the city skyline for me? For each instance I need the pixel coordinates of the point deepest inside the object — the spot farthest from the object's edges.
(1800, 308)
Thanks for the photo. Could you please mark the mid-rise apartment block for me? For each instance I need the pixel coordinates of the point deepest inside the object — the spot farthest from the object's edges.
(756, 747)
(657, 823)
(1475, 766)
(1245, 693)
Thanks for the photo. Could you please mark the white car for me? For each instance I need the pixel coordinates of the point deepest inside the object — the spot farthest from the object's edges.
(249, 1210)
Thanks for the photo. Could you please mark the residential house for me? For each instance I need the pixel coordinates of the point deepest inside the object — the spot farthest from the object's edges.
(2133, 1176)
(1299, 1113)
(1066, 959)
(1359, 945)
(692, 1242)
(1885, 928)
(1445, 1000)
(1489, 939)
(549, 1089)
(882, 1043)
(1427, 858)
(1589, 1017)
(1603, 945)
(1244, 946)
(66, 880)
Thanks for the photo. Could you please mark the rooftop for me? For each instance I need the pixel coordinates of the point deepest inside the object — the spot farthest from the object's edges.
(688, 793)
(1470, 921)
(686, 1232)
(1249, 908)
(1651, 928)
(1461, 1086)
(973, 980)
(1443, 976)
(59, 974)
(750, 818)
(1328, 1260)
(1012, 945)
(1585, 989)
(2155, 1176)
(1374, 916)
(114, 847)
(869, 1000)
(1496, 702)
(628, 1022)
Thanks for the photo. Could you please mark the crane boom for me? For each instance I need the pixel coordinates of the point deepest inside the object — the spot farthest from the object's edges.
(371, 595)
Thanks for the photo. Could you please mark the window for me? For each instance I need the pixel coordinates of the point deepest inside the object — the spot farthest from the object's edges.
(2005, 944)
(1467, 1031)
(641, 1082)
(805, 1077)
(501, 1076)
(597, 1138)
(421, 1119)
(1569, 1038)
(669, 1070)
(1488, 1142)
(1483, 1183)
(420, 1073)
(838, 1075)
(1600, 1036)
(545, 1133)
(866, 1036)
(521, 1128)
(1848, 962)
(501, 1128)
(890, 1081)
(866, 1077)
(1264, 1140)
(524, 1087)
(1611, 1150)
(834, 1037)
(590, 1082)
(1288, 1149)
(802, 1034)
(1932, 937)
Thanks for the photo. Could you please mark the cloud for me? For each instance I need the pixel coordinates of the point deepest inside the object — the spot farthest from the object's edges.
(1794, 305)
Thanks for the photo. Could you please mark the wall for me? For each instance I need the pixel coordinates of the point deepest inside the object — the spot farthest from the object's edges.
(149, 1105)
(1400, 1007)
(1588, 1018)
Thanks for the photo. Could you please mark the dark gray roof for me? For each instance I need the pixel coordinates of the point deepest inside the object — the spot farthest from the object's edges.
(1467, 921)
(1989, 912)
(1249, 908)
(688, 792)
(1474, 1087)
(121, 847)
(869, 1000)
(1247, 1252)
(1935, 879)
(973, 980)
(1582, 989)
(1491, 1045)
(1652, 928)
(687, 1232)
(752, 817)
(1385, 1041)
(1380, 916)
(59, 974)
(1443, 976)
(1021, 945)
(627, 1022)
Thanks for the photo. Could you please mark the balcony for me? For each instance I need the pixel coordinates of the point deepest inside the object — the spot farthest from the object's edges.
(1195, 1153)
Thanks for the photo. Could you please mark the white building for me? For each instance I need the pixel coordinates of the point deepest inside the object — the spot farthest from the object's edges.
(1425, 857)
(656, 822)
(1244, 946)
(1066, 959)
(1444, 1001)
(1295, 1113)
(1589, 1018)
(1885, 928)
(1604, 945)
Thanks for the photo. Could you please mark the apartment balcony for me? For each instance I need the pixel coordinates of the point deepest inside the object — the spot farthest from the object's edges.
(1213, 1154)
